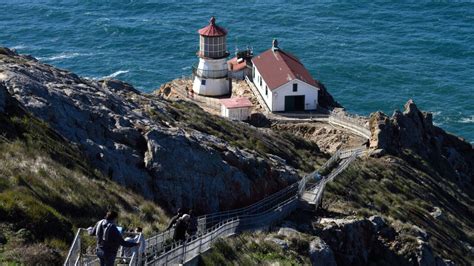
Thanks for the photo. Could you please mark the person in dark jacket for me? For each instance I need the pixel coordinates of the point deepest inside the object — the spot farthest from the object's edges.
(175, 218)
(181, 227)
(109, 239)
(193, 223)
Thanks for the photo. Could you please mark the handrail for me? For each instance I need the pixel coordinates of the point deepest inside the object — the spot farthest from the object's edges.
(183, 252)
(156, 242)
(176, 253)
(75, 250)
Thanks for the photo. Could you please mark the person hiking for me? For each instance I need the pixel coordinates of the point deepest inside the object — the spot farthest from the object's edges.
(109, 239)
(193, 223)
(175, 218)
(181, 227)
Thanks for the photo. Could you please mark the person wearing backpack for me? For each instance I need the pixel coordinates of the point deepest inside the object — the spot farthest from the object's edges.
(109, 239)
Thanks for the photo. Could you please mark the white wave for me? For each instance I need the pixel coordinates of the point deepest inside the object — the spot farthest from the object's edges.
(65, 55)
(115, 74)
(436, 113)
(186, 68)
(467, 120)
(20, 46)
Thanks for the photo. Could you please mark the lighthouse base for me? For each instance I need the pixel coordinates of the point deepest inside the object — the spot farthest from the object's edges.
(211, 77)
(211, 87)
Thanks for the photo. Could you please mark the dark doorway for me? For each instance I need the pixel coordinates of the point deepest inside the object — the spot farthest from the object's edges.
(294, 103)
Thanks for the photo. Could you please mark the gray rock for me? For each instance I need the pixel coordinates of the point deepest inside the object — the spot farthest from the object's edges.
(414, 130)
(425, 255)
(320, 253)
(421, 233)
(437, 213)
(378, 222)
(3, 95)
(288, 232)
(280, 242)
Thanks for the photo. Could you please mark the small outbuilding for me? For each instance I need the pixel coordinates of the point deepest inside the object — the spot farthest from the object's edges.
(237, 108)
(283, 82)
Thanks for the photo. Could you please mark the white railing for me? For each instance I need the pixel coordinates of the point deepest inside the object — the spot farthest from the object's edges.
(194, 246)
(350, 123)
(78, 255)
(231, 222)
(74, 253)
(257, 94)
(157, 242)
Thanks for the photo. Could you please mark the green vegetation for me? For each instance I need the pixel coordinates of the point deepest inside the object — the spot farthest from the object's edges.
(254, 249)
(47, 191)
(296, 151)
(406, 195)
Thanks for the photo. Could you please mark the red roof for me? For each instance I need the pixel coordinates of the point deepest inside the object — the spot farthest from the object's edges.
(236, 102)
(234, 65)
(278, 67)
(212, 30)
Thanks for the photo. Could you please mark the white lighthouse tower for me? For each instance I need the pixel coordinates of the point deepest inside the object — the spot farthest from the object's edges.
(211, 74)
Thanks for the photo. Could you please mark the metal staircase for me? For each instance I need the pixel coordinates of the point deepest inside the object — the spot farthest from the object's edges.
(161, 250)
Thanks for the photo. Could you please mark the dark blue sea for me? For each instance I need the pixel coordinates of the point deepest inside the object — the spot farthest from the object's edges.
(371, 56)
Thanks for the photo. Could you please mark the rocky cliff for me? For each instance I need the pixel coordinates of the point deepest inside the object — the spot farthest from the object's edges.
(146, 143)
(413, 131)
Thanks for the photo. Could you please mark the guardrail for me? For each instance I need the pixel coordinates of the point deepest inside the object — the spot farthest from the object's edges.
(257, 94)
(78, 255)
(230, 222)
(157, 243)
(74, 253)
(350, 123)
(194, 246)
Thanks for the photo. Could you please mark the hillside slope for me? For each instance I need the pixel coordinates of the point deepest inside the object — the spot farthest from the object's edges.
(411, 203)
(47, 190)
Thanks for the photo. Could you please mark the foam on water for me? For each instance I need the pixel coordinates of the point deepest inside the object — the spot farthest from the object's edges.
(467, 120)
(115, 74)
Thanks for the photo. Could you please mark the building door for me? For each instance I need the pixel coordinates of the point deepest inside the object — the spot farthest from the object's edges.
(294, 103)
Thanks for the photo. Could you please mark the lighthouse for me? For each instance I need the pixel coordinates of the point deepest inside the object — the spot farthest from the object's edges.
(211, 73)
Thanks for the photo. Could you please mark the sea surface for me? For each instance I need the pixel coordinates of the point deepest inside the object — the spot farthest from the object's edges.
(371, 56)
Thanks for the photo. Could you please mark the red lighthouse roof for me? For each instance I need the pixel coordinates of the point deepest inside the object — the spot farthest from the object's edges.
(212, 30)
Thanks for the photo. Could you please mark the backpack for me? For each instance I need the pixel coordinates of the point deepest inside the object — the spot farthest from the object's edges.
(103, 231)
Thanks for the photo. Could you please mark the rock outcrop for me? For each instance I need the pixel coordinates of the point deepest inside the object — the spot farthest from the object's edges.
(325, 99)
(413, 130)
(120, 131)
(320, 253)
(3, 96)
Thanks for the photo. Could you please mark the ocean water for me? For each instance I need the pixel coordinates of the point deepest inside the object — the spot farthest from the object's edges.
(371, 56)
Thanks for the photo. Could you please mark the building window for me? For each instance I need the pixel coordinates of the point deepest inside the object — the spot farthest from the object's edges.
(260, 81)
(203, 82)
(266, 90)
(295, 87)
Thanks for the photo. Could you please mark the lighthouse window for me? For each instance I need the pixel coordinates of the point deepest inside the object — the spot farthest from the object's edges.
(295, 87)
(203, 82)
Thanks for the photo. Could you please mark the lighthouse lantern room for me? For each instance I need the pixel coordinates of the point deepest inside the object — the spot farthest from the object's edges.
(211, 74)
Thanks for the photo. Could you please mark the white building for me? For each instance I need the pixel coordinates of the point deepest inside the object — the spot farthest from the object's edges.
(237, 108)
(283, 82)
(211, 74)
